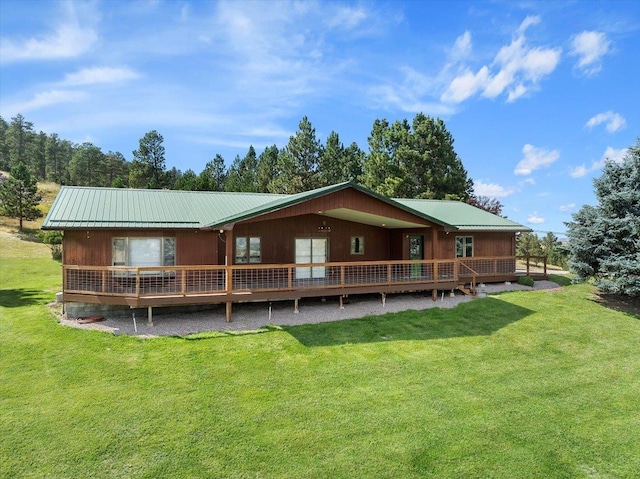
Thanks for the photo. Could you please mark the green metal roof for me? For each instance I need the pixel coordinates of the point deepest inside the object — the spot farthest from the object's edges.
(88, 207)
(462, 216)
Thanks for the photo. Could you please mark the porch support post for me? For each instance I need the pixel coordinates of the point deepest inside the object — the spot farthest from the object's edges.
(150, 315)
(228, 260)
(434, 242)
(295, 306)
(228, 308)
(341, 303)
(384, 299)
(434, 294)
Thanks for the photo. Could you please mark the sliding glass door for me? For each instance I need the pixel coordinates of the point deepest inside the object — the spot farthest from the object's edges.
(311, 250)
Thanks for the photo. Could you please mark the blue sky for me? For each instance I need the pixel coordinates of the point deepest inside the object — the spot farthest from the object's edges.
(536, 94)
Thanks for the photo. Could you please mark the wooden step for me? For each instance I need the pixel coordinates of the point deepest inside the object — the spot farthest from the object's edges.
(466, 291)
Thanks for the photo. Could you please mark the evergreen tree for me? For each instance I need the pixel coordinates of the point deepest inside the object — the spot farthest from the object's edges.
(242, 173)
(553, 250)
(4, 147)
(87, 166)
(267, 164)
(415, 160)
(39, 156)
(19, 197)
(188, 181)
(116, 169)
(604, 240)
(337, 163)
(297, 164)
(148, 168)
(528, 245)
(19, 141)
(213, 176)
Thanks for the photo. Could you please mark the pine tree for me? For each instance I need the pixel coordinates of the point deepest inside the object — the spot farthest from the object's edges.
(19, 197)
(604, 240)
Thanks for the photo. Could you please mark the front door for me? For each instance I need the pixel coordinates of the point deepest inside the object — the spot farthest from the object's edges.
(416, 252)
(311, 250)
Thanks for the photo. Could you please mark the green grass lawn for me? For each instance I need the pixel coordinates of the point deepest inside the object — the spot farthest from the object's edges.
(520, 385)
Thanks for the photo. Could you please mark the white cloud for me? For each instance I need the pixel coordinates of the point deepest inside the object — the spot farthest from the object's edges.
(535, 158)
(527, 181)
(590, 47)
(516, 69)
(492, 190)
(534, 219)
(280, 55)
(579, 171)
(408, 94)
(72, 37)
(462, 46)
(90, 76)
(613, 121)
(610, 154)
(567, 207)
(347, 17)
(48, 98)
(466, 85)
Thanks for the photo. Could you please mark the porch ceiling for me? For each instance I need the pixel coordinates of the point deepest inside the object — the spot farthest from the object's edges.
(371, 219)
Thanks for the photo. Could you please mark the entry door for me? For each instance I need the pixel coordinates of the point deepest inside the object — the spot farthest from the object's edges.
(416, 252)
(311, 250)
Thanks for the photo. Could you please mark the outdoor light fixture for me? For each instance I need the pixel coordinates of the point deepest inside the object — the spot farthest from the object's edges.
(324, 227)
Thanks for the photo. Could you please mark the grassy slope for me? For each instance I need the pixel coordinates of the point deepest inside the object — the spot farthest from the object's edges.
(535, 384)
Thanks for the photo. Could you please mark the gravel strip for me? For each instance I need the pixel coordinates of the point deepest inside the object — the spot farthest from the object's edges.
(253, 316)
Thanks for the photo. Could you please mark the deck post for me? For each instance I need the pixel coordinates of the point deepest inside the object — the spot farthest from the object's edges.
(341, 303)
(228, 308)
(434, 242)
(545, 267)
(228, 260)
(528, 258)
(150, 315)
(295, 306)
(384, 299)
(434, 294)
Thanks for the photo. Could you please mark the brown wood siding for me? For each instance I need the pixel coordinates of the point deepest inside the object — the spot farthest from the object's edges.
(277, 238)
(485, 244)
(93, 247)
(348, 198)
(494, 244)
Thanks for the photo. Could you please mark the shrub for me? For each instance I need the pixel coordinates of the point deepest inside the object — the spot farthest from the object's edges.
(526, 281)
(53, 239)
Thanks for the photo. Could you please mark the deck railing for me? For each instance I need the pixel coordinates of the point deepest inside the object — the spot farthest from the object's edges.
(163, 281)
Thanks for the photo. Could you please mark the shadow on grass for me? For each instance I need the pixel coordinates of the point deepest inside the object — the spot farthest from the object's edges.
(13, 298)
(476, 318)
(618, 302)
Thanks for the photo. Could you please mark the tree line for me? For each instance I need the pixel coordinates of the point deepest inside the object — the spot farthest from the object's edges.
(413, 159)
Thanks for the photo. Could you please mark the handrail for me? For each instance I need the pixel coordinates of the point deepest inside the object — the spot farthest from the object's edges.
(194, 280)
(474, 275)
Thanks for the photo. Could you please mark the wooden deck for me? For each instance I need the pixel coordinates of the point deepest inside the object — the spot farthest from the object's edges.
(182, 285)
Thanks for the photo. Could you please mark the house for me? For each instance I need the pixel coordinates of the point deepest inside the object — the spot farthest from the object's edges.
(149, 248)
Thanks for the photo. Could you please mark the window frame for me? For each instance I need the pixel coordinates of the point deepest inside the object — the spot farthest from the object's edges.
(356, 246)
(167, 249)
(248, 257)
(466, 242)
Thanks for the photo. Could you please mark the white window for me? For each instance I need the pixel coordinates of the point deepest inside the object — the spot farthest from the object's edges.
(248, 250)
(143, 252)
(464, 246)
(357, 245)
